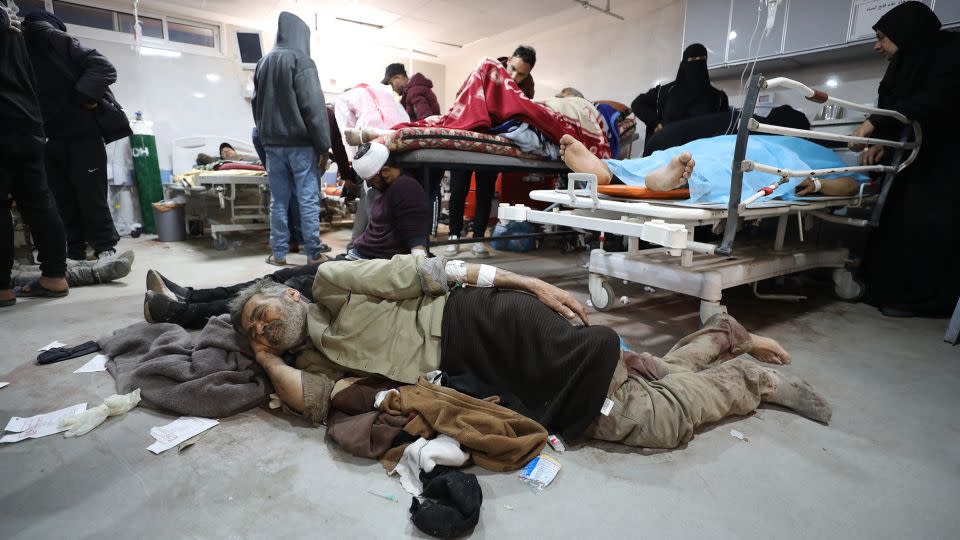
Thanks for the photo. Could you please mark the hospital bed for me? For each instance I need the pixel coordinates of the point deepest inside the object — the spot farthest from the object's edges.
(702, 269)
(241, 197)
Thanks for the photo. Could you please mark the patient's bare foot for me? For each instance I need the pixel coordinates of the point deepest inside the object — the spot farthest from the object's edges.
(353, 136)
(581, 160)
(768, 350)
(673, 174)
(372, 134)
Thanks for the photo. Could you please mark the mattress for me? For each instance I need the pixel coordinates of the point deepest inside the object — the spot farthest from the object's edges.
(439, 138)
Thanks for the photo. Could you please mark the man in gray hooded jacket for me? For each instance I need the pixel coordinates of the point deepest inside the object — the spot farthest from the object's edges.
(291, 117)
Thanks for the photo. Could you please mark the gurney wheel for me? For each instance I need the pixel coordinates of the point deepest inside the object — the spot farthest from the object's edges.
(601, 293)
(219, 242)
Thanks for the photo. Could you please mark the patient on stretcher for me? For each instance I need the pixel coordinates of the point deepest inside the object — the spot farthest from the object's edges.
(704, 166)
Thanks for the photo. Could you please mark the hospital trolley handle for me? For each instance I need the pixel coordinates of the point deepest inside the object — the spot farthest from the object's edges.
(739, 156)
(591, 191)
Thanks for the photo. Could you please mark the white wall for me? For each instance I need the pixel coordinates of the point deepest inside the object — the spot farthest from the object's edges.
(603, 57)
(857, 82)
(177, 96)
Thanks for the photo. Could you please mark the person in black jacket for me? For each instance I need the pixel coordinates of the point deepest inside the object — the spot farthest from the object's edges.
(291, 118)
(912, 264)
(71, 80)
(21, 170)
(689, 96)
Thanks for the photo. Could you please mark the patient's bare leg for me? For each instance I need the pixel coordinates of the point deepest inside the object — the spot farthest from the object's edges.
(581, 160)
(673, 174)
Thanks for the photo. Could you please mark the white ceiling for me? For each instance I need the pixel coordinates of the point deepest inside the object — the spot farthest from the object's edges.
(407, 24)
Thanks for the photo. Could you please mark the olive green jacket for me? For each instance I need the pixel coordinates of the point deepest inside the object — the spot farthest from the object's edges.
(372, 317)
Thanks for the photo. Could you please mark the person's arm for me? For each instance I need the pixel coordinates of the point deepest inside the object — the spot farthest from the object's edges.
(724, 101)
(644, 107)
(339, 151)
(832, 187)
(313, 109)
(421, 106)
(391, 279)
(96, 72)
(286, 380)
(482, 275)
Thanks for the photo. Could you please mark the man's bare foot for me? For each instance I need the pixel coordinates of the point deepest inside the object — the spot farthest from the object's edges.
(581, 160)
(372, 134)
(673, 174)
(768, 350)
(353, 136)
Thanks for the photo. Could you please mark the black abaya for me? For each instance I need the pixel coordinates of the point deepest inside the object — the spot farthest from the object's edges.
(913, 258)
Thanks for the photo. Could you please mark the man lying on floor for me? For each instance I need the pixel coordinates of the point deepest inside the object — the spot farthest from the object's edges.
(704, 165)
(403, 317)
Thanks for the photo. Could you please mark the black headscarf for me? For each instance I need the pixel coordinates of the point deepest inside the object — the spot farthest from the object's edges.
(914, 28)
(691, 86)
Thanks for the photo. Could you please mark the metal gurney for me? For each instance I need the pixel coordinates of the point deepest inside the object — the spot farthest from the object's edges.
(226, 188)
(701, 269)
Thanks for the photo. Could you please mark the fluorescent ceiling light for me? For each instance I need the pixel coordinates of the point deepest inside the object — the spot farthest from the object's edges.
(447, 44)
(832, 82)
(361, 23)
(213, 77)
(199, 95)
(425, 53)
(151, 51)
(732, 36)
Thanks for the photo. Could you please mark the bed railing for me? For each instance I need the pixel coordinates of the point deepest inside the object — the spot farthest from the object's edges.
(749, 124)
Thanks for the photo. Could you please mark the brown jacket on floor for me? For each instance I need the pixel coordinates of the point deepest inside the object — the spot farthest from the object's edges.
(498, 439)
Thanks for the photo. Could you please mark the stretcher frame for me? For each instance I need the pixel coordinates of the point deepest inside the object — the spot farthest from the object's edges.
(704, 270)
(226, 189)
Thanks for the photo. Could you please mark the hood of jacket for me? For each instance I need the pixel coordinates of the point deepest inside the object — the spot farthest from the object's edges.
(293, 33)
(419, 80)
(40, 18)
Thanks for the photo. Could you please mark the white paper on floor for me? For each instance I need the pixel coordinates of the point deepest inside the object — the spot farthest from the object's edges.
(178, 432)
(738, 435)
(40, 425)
(2, 384)
(52, 345)
(97, 363)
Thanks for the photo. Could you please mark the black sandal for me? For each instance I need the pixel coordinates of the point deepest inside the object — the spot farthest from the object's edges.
(36, 290)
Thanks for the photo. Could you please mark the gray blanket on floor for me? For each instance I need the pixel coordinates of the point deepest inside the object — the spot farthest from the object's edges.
(212, 374)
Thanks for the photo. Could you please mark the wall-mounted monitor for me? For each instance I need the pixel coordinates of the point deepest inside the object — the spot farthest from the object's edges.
(249, 45)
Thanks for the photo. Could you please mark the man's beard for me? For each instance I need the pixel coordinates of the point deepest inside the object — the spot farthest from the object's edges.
(287, 332)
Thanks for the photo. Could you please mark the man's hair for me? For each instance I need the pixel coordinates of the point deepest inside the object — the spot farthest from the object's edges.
(570, 92)
(265, 287)
(527, 54)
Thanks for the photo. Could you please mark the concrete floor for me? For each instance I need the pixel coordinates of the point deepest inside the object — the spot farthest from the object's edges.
(887, 467)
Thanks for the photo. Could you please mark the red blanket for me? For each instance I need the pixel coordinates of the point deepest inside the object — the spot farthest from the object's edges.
(490, 97)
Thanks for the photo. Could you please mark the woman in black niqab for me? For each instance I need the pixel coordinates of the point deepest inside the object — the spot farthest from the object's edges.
(912, 264)
(689, 96)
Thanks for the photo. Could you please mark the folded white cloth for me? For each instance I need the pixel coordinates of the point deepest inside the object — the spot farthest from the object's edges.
(427, 454)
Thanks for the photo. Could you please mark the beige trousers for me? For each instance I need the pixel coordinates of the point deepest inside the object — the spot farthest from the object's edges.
(665, 413)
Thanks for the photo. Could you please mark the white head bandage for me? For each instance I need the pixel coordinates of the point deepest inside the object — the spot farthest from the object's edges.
(370, 159)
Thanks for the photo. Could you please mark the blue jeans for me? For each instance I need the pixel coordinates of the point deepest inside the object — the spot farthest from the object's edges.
(293, 171)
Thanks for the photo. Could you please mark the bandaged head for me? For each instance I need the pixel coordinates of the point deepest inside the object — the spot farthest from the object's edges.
(370, 158)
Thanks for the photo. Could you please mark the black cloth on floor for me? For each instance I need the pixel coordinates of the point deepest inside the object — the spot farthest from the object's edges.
(60, 354)
(558, 372)
(472, 386)
(456, 508)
